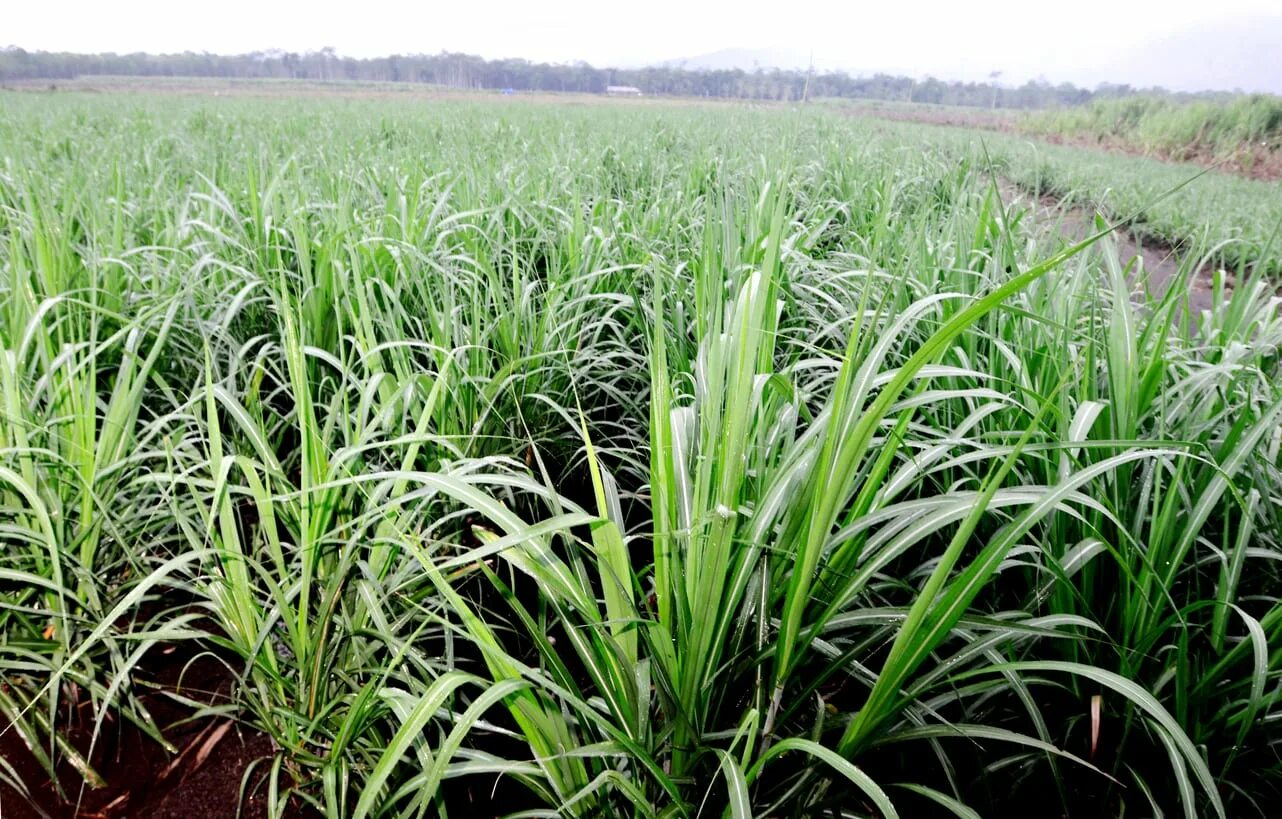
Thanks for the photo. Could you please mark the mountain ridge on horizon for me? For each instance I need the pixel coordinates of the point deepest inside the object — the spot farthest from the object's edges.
(1240, 55)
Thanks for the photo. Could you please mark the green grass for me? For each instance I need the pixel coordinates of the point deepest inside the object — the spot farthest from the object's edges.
(650, 463)
(1243, 131)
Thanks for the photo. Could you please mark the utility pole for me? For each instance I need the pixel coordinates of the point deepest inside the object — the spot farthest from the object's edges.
(810, 72)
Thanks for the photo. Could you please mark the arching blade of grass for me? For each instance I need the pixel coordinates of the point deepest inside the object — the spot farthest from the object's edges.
(840, 765)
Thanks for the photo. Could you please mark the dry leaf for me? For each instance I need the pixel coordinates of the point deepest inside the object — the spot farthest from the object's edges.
(1095, 713)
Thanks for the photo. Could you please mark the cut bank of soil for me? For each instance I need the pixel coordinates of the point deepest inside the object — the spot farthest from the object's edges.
(202, 781)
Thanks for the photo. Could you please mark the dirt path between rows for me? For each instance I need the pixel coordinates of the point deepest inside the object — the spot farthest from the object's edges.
(1158, 265)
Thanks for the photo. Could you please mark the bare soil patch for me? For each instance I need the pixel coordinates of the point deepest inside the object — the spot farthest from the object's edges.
(202, 781)
(989, 120)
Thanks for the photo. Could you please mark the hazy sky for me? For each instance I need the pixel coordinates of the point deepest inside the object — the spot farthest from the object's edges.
(908, 36)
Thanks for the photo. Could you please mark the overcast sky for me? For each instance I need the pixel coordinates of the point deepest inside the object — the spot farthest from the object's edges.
(946, 38)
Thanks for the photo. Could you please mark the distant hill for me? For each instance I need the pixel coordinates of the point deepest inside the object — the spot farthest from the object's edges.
(1240, 54)
(743, 58)
(1243, 54)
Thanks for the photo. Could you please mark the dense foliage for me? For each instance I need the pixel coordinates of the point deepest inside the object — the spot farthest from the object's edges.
(645, 462)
